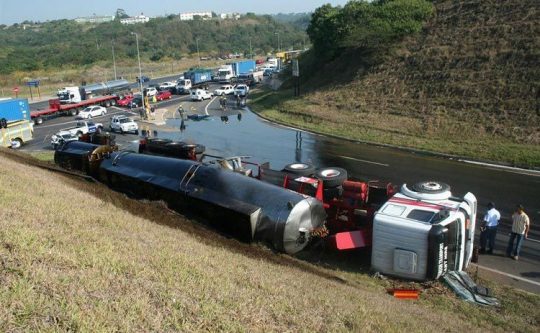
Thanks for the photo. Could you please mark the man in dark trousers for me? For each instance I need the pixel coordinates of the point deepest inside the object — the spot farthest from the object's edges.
(489, 229)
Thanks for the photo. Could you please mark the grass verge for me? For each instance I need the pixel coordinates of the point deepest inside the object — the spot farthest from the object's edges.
(77, 256)
(438, 135)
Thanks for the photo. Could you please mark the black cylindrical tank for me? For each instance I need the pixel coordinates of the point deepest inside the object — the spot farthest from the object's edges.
(240, 205)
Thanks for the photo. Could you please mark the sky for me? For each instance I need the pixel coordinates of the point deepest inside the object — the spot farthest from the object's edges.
(12, 11)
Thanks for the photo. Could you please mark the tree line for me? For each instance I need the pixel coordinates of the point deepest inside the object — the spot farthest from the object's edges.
(60, 43)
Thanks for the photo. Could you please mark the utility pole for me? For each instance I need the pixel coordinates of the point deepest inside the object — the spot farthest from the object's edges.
(139, 57)
(250, 50)
(113, 59)
(198, 54)
(278, 41)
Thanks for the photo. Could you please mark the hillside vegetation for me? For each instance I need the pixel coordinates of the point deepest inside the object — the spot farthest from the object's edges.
(65, 43)
(466, 82)
(76, 256)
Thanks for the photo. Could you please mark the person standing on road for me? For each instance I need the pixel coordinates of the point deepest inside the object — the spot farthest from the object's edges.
(489, 229)
(520, 230)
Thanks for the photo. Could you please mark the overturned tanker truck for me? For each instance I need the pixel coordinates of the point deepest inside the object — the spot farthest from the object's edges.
(420, 233)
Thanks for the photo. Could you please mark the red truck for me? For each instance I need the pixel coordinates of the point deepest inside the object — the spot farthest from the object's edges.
(57, 109)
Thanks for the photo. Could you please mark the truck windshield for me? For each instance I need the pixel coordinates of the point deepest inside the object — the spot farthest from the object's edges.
(125, 120)
(454, 250)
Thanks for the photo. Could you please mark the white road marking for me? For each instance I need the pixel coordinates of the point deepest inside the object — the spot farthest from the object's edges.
(527, 172)
(207, 105)
(519, 278)
(364, 161)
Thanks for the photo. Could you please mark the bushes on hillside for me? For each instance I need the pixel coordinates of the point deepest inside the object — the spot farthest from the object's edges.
(370, 26)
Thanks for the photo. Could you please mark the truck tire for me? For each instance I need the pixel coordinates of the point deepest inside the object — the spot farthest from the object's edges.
(79, 134)
(73, 112)
(38, 121)
(3, 123)
(16, 143)
(332, 177)
(430, 187)
(107, 104)
(301, 169)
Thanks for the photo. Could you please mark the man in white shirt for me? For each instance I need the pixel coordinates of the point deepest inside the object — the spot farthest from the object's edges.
(489, 229)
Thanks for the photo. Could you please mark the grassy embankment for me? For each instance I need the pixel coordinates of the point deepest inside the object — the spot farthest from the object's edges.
(78, 256)
(52, 80)
(466, 85)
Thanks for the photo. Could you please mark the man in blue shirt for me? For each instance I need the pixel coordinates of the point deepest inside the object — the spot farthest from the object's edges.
(489, 229)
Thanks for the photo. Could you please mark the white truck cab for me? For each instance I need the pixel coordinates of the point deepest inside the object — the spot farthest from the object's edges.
(225, 73)
(69, 95)
(183, 85)
(423, 232)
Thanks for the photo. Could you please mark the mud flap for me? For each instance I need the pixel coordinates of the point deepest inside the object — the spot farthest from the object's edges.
(466, 288)
(352, 240)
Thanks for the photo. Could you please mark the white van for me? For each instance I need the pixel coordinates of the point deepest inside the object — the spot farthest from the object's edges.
(200, 95)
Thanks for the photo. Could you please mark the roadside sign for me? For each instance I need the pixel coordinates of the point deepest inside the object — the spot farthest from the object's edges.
(33, 83)
(295, 68)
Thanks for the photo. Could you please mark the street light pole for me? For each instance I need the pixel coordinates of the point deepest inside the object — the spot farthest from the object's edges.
(278, 42)
(198, 54)
(138, 57)
(114, 60)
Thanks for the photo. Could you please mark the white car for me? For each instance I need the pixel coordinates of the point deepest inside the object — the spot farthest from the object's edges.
(62, 137)
(241, 90)
(167, 85)
(124, 124)
(200, 95)
(224, 90)
(151, 91)
(92, 111)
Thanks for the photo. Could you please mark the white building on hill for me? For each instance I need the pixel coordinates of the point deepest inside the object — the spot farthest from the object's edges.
(94, 19)
(135, 19)
(191, 16)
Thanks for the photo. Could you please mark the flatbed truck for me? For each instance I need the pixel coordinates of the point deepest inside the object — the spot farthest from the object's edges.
(57, 109)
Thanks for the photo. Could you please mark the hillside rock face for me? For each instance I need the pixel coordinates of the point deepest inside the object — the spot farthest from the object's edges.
(476, 62)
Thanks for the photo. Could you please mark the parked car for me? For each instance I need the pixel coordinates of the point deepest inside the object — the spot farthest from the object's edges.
(151, 91)
(124, 124)
(200, 95)
(143, 79)
(224, 90)
(62, 137)
(163, 95)
(125, 101)
(136, 102)
(241, 90)
(92, 111)
(167, 86)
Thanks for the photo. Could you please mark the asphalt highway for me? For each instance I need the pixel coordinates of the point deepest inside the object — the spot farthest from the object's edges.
(267, 142)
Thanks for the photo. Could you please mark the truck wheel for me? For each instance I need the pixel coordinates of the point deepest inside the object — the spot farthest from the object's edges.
(107, 104)
(332, 177)
(3, 123)
(16, 143)
(430, 187)
(38, 121)
(79, 134)
(301, 169)
(73, 112)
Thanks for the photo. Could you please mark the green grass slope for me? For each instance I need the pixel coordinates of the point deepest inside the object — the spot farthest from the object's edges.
(468, 85)
(75, 256)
